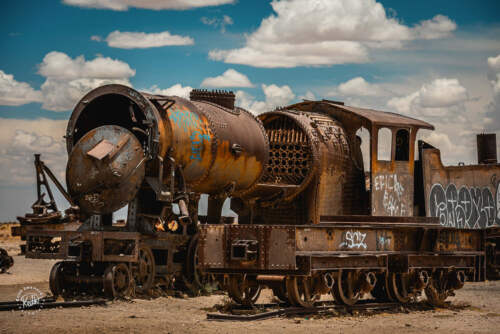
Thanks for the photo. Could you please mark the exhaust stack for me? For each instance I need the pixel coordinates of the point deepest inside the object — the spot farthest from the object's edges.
(487, 148)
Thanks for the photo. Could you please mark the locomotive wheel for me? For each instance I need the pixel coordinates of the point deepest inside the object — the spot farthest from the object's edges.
(436, 291)
(117, 280)
(344, 288)
(195, 278)
(59, 285)
(279, 291)
(381, 291)
(300, 291)
(242, 290)
(144, 270)
(398, 287)
(56, 279)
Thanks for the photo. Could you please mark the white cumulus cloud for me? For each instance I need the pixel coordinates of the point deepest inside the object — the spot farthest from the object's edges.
(146, 4)
(218, 22)
(442, 97)
(360, 87)
(142, 40)
(443, 103)
(175, 90)
(68, 79)
(275, 96)
(58, 65)
(20, 139)
(492, 119)
(230, 78)
(15, 93)
(438, 27)
(327, 32)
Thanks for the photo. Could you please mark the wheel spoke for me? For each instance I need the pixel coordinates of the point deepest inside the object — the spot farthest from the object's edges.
(242, 291)
(144, 270)
(300, 291)
(344, 288)
(398, 287)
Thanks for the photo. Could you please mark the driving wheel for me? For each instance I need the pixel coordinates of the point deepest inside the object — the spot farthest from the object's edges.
(117, 280)
(300, 291)
(344, 289)
(144, 270)
(243, 290)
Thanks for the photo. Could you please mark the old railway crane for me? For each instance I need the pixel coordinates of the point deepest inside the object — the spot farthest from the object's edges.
(156, 154)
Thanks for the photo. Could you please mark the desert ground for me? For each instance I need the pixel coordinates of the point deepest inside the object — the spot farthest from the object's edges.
(474, 309)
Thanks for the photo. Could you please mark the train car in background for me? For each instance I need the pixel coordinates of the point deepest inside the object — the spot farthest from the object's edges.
(465, 196)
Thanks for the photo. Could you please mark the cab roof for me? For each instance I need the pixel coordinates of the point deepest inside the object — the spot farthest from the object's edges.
(366, 117)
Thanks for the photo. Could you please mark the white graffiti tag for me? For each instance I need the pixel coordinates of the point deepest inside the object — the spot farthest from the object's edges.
(354, 239)
(393, 197)
(467, 207)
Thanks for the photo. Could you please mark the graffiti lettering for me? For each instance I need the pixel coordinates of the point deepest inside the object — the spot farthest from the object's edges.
(354, 239)
(184, 119)
(393, 197)
(467, 207)
(383, 239)
(191, 123)
(197, 144)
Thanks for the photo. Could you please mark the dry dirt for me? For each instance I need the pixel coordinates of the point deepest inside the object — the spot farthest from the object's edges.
(475, 309)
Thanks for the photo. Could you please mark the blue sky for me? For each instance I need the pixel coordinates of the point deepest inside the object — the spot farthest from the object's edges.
(435, 60)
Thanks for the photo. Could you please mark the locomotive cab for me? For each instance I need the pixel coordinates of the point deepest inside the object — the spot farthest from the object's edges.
(390, 176)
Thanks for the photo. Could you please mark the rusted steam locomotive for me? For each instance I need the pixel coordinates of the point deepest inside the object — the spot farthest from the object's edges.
(313, 226)
(312, 219)
(157, 154)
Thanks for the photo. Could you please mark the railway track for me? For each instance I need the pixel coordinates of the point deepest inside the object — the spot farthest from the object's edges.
(283, 310)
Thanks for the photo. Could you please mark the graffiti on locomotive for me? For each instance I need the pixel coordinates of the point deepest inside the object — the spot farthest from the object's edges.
(393, 199)
(465, 206)
(191, 124)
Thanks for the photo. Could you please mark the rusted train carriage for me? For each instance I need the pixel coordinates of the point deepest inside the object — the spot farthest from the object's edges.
(465, 197)
(320, 229)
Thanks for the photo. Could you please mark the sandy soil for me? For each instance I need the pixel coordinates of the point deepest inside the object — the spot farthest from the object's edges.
(475, 309)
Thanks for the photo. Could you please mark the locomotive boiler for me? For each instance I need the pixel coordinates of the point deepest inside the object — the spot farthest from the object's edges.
(156, 154)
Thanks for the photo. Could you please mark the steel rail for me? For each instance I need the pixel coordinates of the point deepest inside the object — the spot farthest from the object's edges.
(322, 307)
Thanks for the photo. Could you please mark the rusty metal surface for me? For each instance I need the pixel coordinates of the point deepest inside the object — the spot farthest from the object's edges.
(338, 245)
(98, 246)
(122, 106)
(275, 247)
(220, 98)
(461, 196)
(367, 117)
(297, 182)
(392, 182)
(310, 173)
(238, 154)
(222, 151)
(105, 169)
(294, 152)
